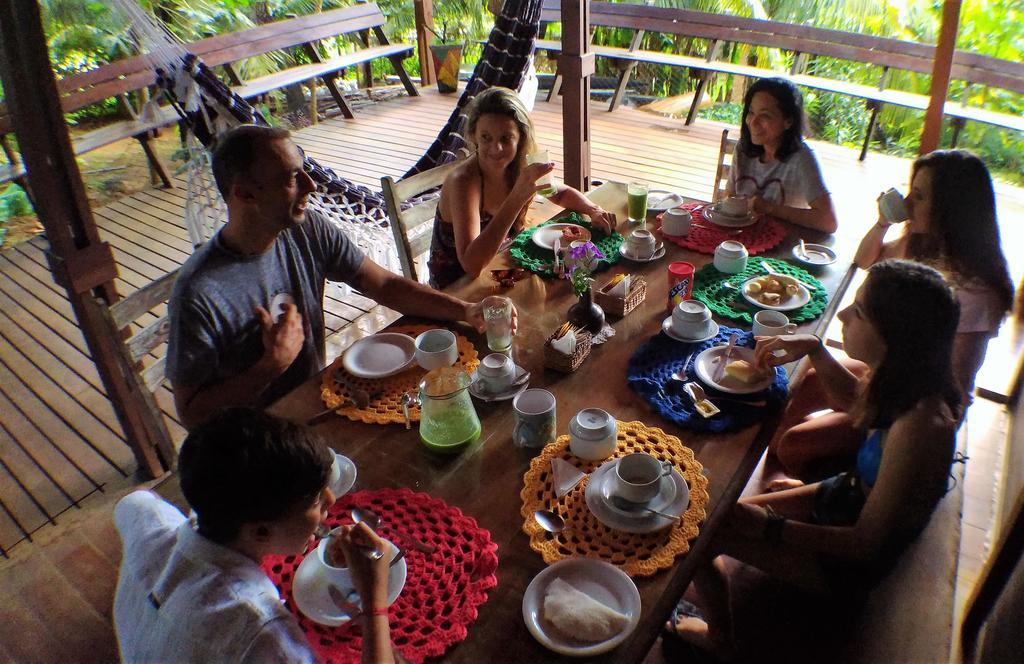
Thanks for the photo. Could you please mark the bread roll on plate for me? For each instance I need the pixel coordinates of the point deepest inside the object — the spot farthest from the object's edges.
(579, 615)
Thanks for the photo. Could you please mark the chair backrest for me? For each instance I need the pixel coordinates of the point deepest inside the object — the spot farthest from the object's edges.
(724, 165)
(413, 225)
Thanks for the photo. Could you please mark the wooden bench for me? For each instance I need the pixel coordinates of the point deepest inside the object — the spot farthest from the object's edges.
(305, 32)
(805, 43)
(121, 78)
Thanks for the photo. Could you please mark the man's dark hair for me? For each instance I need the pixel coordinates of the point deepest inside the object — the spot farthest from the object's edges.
(244, 466)
(238, 149)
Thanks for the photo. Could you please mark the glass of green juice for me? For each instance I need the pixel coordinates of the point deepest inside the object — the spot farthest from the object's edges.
(636, 195)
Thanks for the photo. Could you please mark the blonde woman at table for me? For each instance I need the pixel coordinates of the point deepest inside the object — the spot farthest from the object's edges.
(772, 166)
(485, 199)
(836, 536)
(952, 226)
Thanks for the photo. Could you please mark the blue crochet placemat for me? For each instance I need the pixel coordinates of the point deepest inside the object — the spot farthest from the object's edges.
(651, 367)
(540, 261)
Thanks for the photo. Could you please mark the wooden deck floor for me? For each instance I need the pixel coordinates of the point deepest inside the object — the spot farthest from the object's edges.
(59, 438)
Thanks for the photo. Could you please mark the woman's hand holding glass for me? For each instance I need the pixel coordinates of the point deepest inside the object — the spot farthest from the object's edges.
(773, 351)
(526, 185)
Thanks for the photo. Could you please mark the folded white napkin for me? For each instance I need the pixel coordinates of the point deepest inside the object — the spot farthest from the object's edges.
(566, 345)
(621, 289)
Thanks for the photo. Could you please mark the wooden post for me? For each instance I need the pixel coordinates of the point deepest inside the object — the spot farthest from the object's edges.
(941, 68)
(79, 260)
(576, 64)
(424, 11)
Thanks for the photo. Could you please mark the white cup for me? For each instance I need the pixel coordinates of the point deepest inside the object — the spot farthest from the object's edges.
(676, 222)
(638, 477)
(735, 206)
(892, 206)
(497, 371)
(340, 576)
(731, 257)
(436, 348)
(769, 323)
(593, 434)
(691, 319)
(641, 243)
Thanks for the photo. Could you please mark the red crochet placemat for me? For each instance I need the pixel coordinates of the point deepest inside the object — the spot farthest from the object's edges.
(442, 589)
(704, 236)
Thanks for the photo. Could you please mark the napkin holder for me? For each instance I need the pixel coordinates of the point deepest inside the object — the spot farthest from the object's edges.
(553, 359)
(621, 306)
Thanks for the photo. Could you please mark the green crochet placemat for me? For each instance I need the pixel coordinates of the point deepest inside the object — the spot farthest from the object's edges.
(729, 302)
(540, 261)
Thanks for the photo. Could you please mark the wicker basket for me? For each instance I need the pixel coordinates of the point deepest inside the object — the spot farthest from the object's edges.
(622, 306)
(567, 363)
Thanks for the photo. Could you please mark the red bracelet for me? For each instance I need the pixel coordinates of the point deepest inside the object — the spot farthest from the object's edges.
(379, 611)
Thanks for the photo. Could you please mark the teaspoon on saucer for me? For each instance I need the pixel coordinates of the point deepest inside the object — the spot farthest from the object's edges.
(628, 506)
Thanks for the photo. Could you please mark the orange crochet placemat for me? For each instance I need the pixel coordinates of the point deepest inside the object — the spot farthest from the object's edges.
(386, 393)
(635, 554)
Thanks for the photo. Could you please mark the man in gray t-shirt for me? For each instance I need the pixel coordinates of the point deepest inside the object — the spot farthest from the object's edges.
(246, 314)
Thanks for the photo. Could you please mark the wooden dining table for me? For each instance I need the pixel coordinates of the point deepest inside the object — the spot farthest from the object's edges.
(485, 480)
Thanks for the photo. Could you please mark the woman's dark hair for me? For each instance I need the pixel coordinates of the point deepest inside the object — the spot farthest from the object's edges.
(916, 313)
(244, 466)
(963, 233)
(791, 103)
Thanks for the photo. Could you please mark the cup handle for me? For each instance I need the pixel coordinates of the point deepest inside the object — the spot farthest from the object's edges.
(666, 468)
(791, 328)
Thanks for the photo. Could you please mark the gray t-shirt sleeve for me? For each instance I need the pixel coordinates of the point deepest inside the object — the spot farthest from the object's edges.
(808, 175)
(341, 257)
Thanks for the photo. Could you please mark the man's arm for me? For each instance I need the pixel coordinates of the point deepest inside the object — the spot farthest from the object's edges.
(282, 342)
(412, 298)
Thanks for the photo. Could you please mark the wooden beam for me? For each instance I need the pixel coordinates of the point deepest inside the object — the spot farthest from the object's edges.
(576, 64)
(424, 11)
(81, 262)
(941, 69)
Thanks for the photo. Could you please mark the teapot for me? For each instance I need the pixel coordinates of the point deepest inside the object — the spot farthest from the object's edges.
(448, 420)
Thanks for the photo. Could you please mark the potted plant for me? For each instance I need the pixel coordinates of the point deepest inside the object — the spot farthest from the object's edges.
(447, 57)
(583, 259)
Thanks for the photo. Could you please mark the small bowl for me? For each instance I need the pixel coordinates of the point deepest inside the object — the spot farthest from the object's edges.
(818, 254)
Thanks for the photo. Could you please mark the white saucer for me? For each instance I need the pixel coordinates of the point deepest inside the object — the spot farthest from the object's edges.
(641, 522)
(818, 255)
(309, 589)
(794, 302)
(663, 200)
(706, 363)
(477, 389)
(601, 581)
(545, 236)
(719, 218)
(346, 477)
(663, 502)
(380, 355)
(666, 327)
(659, 252)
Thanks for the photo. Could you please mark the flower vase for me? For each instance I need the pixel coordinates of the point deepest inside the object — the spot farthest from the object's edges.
(586, 314)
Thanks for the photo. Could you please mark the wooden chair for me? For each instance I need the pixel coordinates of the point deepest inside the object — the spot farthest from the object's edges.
(143, 372)
(413, 225)
(724, 165)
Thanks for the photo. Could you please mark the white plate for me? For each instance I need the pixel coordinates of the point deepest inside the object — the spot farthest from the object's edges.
(346, 478)
(309, 589)
(380, 355)
(795, 302)
(666, 327)
(644, 522)
(659, 252)
(600, 580)
(719, 218)
(663, 200)
(545, 236)
(817, 255)
(480, 391)
(707, 363)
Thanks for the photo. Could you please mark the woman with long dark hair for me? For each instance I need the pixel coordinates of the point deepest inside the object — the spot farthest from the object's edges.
(853, 526)
(772, 165)
(485, 199)
(952, 226)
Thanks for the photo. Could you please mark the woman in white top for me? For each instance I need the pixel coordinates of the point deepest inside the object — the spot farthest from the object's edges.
(772, 165)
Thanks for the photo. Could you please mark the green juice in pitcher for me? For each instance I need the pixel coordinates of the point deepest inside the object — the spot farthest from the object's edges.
(450, 431)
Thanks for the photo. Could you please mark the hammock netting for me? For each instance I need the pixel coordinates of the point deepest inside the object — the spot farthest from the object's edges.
(208, 108)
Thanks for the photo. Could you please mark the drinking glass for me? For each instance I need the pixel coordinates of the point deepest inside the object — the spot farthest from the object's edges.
(636, 193)
(498, 317)
(542, 157)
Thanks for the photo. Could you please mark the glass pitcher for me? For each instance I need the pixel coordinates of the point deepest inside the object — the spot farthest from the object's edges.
(448, 420)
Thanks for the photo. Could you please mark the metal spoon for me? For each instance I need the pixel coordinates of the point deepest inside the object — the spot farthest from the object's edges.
(549, 521)
(803, 250)
(372, 519)
(628, 506)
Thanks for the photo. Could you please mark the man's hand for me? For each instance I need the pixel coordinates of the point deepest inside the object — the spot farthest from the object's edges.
(282, 340)
(475, 317)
